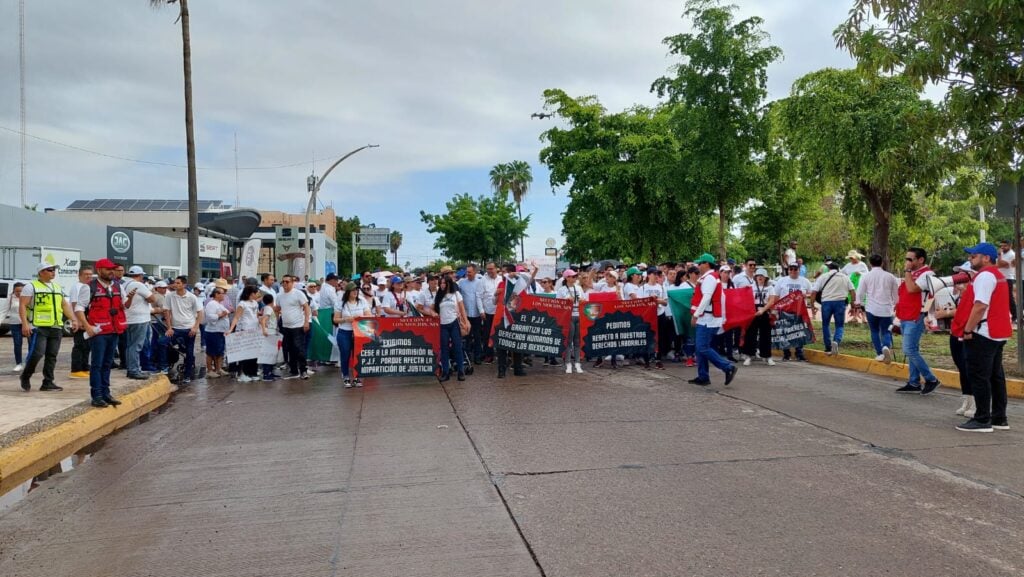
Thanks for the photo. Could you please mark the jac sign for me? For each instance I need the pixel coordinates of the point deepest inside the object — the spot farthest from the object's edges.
(121, 245)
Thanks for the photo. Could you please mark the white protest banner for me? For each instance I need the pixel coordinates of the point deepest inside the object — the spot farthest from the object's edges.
(269, 348)
(545, 266)
(243, 345)
(250, 258)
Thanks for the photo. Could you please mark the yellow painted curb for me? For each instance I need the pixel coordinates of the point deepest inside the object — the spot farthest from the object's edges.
(39, 452)
(899, 371)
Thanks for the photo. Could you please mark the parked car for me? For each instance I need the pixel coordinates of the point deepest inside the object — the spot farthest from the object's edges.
(6, 289)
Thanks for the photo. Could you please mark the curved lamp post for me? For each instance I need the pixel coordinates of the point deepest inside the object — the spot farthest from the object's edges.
(313, 186)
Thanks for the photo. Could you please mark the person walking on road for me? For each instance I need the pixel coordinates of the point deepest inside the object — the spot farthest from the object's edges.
(986, 304)
(42, 311)
(910, 311)
(138, 300)
(100, 310)
(80, 350)
(293, 306)
(708, 317)
(347, 309)
(13, 320)
(183, 315)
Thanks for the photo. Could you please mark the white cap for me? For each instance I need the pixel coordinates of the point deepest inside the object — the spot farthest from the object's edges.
(44, 265)
(761, 271)
(135, 270)
(382, 280)
(160, 284)
(199, 286)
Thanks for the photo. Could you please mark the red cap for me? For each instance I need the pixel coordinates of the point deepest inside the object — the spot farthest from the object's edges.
(105, 263)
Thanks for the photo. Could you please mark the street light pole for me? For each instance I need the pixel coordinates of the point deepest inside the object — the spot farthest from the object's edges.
(313, 184)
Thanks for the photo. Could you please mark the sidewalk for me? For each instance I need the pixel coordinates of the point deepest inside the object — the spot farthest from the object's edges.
(39, 429)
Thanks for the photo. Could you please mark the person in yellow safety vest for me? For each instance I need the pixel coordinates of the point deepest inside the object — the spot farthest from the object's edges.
(48, 307)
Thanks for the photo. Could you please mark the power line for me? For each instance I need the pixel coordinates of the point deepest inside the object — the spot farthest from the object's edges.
(154, 162)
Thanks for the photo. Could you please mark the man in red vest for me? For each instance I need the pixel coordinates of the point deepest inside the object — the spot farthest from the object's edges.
(708, 308)
(910, 311)
(100, 310)
(985, 332)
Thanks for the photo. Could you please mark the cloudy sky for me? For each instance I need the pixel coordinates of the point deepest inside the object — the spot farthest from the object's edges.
(446, 87)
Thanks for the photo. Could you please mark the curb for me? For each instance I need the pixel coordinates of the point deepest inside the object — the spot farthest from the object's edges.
(37, 453)
(899, 371)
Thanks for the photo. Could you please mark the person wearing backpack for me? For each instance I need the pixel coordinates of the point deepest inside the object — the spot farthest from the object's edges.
(831, 290)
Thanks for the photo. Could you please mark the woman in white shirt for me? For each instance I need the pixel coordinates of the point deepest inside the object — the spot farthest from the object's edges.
(571, 291)
(346, 310)
(632, 290)
(448, 305)
(247, 319)
(217, 321)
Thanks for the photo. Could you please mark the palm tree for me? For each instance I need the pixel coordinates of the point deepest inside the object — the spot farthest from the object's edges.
(513, 177)
(190, 141)
(396, 243)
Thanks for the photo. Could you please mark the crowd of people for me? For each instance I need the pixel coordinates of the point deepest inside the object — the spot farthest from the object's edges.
(144, 322)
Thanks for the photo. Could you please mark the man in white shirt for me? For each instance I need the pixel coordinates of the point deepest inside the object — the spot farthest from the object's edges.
(183, 315)
(834, 288)
(789, 257)
(470, 289)
(877, 293)
(783, 286)
(329, 292)
(708, 317)
(1008, 267)
(745, 277)
(267, 285)
(80, 350)
(293, 306)
(138, 298)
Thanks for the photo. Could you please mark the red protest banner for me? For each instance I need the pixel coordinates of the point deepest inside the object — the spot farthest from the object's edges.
(539, 326)
(396, 347)
(792, 325)
(739, 308)
(619, 327)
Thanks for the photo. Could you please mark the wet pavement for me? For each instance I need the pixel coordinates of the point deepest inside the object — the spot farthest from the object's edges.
(793, 470)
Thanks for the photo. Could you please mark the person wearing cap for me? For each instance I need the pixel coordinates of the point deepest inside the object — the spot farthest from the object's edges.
(293, 306)
(138, 298)
(910, 311)
(987, 328)
(42, 310)
(329, 291)
(156, 360)
(855, 269)
(101, 311)
(1008, 268)
(631, 288)
(877, 293)
(709, 312)
(783, 287)
(758, 339)
(80, 348)
(570, 290)
(835, 288)
(394, 300)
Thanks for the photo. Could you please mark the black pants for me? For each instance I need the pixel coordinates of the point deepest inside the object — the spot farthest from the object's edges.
(473, 344)
(46, 346)
(249, 367)
(485, 329)
(517, 361)
(958, 350)
(988, 383)
(294, 345)
(666, 335)
(759, 337)
(80, 353)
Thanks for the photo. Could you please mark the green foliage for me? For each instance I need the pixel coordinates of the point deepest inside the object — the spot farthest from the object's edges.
(395, 240)
(477, 229)
(624, 199)
(513, 178)
(873, 138)
(973, 46)
(365, 259)
(716, 97)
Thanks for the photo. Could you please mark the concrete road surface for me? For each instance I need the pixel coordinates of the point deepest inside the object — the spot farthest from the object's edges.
(794, 470)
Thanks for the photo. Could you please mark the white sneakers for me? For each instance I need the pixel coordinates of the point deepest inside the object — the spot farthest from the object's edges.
(245, 378)
(568, 368)
(769, 362)
(886, 355)
(971, 408)
(963, 405)
(19, 368)
(579, 368)
(879, 358)
(746, 361)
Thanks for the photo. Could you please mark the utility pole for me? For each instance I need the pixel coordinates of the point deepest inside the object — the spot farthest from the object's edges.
(21, 76)
(238, 196)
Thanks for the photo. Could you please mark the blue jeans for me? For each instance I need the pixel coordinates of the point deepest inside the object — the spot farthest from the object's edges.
(189, 344)
(101, 359)
(912, 331)
(137, 335)
(346, 344)
(705, 353)
(451, 336)
(881, 335)
(19, 341)
(832, 310)
(158, 347)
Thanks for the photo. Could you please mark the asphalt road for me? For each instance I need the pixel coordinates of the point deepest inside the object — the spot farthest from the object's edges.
(794, 470)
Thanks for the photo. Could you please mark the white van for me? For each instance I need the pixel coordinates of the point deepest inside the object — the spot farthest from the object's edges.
(6, 290)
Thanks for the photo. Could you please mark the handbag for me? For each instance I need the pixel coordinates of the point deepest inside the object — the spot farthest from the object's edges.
(817, 295)
(464, 326)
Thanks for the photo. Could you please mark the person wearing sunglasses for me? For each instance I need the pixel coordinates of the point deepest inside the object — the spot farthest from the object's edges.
(913, 293)
(42, 310)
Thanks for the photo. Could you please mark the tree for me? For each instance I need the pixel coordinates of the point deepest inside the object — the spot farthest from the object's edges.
(190, 140)
(396, 242)
(476, 229)
(365, 259)
(513, 178)
(976, 47)
(717, 94)
(623, 201)
(875, 139)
